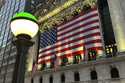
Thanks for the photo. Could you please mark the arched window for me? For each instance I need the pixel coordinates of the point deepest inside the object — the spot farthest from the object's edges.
(62, 78)
(43, 66)
(77, 59)
(76, 76)
(114, 73)
(41, 80)
(51, 79)
(92, 54)
(64, 61)
(93, 75)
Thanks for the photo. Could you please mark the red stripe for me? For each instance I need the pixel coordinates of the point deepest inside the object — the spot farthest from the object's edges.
(69, 42)
(95, 48)
(93, 41)
(70, 48)
(81, 26)
(81, 20)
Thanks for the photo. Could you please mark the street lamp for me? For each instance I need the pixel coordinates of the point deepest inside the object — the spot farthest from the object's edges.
(24, 27)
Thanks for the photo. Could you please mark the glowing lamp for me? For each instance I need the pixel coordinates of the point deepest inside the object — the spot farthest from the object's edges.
(24, 24)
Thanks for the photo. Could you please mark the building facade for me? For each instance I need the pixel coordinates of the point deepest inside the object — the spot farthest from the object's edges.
(108, 69)
(8, 51)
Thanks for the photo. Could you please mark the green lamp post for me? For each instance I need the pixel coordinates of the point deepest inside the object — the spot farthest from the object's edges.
(24, 27)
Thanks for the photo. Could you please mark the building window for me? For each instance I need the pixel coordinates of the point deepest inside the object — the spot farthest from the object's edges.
(64, 61)
(43, 66)
(92, 54)
(93, 75)
(62, 78)
(52, 64)
(41, 80)
(51, 79)
(76, 76)
(77, 59)
(114, 73)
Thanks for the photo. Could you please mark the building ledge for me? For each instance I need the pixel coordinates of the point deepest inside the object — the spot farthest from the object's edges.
(113, 80)
(119, 58)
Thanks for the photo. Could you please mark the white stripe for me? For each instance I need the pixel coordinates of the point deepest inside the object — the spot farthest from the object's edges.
(46, 58)
(79, 18)
(50, 46)
(39, 60)
(82, 28)
(69, 45)
(92, 38)
(94, 45)
(86, 33)
(48, 64)
(100, 52)
(47, 52)
(69, 51)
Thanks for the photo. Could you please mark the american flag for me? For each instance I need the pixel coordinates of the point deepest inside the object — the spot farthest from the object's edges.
(70, 38)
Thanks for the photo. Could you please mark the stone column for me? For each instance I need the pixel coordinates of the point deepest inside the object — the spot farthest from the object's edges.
(84, 74)
(36, 79)
(69, 76)
(45, 78)
(27, 78)
(103, 72)
(118, 22)
(56, 77)
(121, 69)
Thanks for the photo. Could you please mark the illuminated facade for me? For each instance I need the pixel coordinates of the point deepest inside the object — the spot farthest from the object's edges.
(8, 51)
(108, 69)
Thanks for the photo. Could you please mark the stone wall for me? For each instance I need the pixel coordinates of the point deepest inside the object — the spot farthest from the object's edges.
(102, 67)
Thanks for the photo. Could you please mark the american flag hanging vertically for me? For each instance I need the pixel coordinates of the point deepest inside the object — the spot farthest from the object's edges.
(70, 38)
